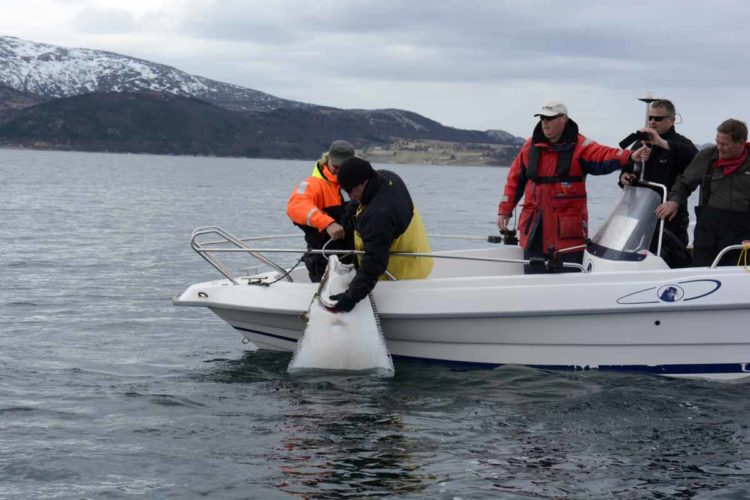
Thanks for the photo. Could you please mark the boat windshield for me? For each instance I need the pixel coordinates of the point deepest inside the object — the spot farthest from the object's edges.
(627, 233)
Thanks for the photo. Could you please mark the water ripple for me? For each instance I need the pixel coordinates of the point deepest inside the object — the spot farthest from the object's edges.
(107, 390)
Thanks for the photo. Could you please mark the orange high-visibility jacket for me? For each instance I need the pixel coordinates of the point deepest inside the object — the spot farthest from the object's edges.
(312, 196)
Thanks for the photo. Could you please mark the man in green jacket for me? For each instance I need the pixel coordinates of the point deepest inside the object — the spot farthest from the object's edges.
(723, 214)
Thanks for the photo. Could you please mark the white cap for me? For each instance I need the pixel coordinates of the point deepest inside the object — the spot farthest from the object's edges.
(553, 108)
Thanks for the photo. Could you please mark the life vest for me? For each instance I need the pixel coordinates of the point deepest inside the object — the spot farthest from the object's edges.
(551, 181)
(555, 196)
(414, 239)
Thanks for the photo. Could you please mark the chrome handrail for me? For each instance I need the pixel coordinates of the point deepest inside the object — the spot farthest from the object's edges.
(661, 221)
(716, 261)
(241, 245)
(256, 238)
(206, 250)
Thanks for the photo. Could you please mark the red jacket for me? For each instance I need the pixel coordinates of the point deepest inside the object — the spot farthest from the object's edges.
(555, 191)
(314, 195)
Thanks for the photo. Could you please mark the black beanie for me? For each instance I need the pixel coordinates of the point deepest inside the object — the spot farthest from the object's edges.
(353, 172)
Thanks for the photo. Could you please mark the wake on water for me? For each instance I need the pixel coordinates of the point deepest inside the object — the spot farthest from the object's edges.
(341, 343)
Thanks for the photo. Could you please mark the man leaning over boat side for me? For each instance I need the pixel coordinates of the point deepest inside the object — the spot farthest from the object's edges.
(386, 220)
(670, 154)
(550, 174)
(316, 204)
(723, 212)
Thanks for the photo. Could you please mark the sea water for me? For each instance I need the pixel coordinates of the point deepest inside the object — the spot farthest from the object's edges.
(107, 390)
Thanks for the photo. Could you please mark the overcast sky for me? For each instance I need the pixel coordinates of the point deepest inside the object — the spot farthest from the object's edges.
(475, 64)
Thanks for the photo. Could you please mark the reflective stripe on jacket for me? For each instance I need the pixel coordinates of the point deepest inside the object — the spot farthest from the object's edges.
(311, 198)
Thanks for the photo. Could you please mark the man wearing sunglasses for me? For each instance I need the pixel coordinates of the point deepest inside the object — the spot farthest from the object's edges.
(670, 154)
(550, 174)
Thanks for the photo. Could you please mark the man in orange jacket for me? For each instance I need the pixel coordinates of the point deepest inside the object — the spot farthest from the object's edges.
(316, 204)
(550, 175)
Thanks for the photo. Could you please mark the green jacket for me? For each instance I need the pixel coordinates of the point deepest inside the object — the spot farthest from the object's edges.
(731, 192)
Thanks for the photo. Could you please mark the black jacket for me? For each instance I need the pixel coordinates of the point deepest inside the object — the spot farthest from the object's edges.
(386, 214)
(663, 166)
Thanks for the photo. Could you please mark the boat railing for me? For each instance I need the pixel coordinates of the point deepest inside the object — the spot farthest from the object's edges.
(226, 242)
(663, 189)
(229, 243)
(726, 250)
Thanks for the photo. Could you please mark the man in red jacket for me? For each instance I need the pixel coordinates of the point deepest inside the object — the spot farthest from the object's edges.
(316, 204)
(550, 174)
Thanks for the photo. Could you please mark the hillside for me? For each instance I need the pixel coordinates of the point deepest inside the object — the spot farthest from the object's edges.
(83, 99)
(154, 122)
(12, 100)
(141, 122)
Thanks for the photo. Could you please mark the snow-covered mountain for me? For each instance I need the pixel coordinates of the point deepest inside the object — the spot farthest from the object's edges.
(92, 100)
(50, 71)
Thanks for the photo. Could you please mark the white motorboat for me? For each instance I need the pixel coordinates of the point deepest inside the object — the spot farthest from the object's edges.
(625, 309)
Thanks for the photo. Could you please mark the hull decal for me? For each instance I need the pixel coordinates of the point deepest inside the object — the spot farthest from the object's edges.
(633, 298)
(672, 292)
(717, 285)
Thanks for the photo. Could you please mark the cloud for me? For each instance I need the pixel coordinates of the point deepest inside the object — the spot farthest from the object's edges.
(467, 63)
(484, 41)
(104, 20)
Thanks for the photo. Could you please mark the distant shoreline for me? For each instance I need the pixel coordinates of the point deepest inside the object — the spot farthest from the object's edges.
(390, 158)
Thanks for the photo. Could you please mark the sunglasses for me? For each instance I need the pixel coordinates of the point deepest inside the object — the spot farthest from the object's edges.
(549, 118)
(657, 118)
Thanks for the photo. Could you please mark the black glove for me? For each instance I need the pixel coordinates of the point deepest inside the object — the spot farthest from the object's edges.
(343, 304)
(348, 215)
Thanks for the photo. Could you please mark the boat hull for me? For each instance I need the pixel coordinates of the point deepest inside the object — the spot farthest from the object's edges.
(688, 322)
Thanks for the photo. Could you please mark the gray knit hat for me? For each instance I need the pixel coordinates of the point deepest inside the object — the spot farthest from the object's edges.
(339, 151)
